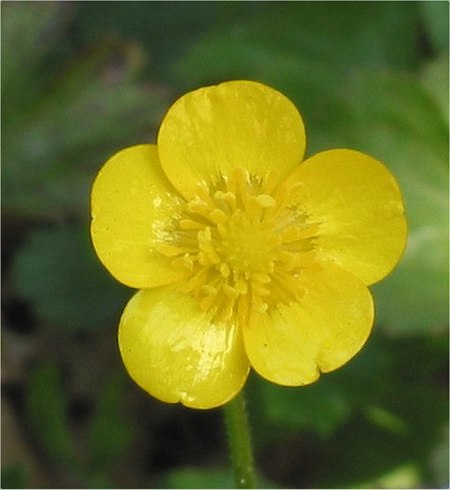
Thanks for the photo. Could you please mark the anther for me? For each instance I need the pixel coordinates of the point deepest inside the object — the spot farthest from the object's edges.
(207, 302)
(203, 193)
(231, 292)
(209, 290)
(218, 216)
(223, 230)
(227, 197)
(224, 270)
(263, 307)
(261, 278)
(168, 250)
(198, 207)
(189, 224)
(207, 252)
(240, 177)
(288, 259)
(185, 261)
(241, 286)
(265, 201)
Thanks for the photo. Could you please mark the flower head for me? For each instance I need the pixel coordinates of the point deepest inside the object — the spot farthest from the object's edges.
(243, 254)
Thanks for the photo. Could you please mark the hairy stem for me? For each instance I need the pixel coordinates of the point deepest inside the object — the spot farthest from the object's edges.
(240, 442)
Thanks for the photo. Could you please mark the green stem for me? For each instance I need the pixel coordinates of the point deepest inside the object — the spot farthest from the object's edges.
(239, 441)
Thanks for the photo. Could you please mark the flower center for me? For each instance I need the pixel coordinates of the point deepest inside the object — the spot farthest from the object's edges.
(243, 246)
(249, 244)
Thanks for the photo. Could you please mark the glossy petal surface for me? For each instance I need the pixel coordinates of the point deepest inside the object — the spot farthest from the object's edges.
(210, 131)
(292, 343)
(131, 202)
(174, 352)
(357, 204)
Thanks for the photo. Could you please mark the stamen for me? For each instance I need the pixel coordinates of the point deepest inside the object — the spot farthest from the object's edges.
(266, 201)
(218, 216)
(207, 252)
(231, 292)
(243, 245)
(224, 270)
(226, 197)
(168, 250)
(189, 224)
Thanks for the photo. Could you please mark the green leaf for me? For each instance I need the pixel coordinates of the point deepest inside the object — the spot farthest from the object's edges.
(435, 79)
(336, 36)
(439, 461)
(204, 477)
(396, 401)
(94, 106)
(149, 22)
(46, 414)
(14, 476)
(59, 274)
(29, 33)
(110, 432)
(403, 476)
(399, 121)
(395, 120)
(435, 15)
(416, 415)
(192, 477)
(321, 407)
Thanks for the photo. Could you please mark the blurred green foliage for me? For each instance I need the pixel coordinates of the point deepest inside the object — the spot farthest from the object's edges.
(74, 292)
(82, 80)
(64, 120)
(45, 409)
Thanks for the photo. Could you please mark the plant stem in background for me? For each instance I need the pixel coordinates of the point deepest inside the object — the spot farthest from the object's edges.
(240, 442)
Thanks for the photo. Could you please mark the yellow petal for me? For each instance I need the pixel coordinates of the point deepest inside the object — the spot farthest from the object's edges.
(172, 350)
(131, 202)
(210, 131)
(292, 343)
(357, 203)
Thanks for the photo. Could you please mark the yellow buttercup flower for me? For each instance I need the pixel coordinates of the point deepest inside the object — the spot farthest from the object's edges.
(242, 254)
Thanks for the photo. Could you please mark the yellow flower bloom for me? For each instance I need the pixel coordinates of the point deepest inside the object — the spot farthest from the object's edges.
(243, 255)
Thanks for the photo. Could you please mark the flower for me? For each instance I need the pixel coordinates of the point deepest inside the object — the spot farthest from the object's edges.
(243, 255)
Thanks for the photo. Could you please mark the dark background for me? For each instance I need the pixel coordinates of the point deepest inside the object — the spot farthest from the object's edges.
(81, 80)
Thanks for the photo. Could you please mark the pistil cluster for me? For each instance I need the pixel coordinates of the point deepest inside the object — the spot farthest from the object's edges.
(242, 244)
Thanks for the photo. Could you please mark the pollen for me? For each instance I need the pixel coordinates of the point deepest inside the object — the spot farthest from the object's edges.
(243, 246)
